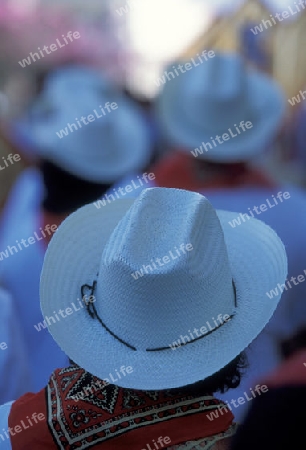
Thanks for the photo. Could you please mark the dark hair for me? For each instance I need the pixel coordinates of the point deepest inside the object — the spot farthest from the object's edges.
(228, 377)
(66, 192)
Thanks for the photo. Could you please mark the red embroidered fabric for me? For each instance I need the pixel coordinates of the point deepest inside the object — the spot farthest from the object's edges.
(82, 413)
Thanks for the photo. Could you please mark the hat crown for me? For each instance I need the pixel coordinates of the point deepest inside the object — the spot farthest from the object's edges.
(177, 256)
(68, 81)
(217, 92)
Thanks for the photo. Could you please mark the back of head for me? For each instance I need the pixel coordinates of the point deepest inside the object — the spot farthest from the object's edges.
(65, 192)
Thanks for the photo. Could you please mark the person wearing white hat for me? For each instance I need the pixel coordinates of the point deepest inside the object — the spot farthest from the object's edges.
(74, 169)
(218, 120)
(12, 351)
(128, 387)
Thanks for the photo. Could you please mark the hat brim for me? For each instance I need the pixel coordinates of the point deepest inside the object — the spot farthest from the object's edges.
(258, 262)
(131, 153)
(266, 103)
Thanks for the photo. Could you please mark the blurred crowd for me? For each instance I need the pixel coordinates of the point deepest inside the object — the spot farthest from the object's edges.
(73, 134)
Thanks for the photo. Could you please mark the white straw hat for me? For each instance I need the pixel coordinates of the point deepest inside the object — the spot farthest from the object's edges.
(227, 272)
(212, 98)
(113, 143)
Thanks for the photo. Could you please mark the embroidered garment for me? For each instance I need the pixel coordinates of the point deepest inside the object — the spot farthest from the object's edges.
(82, 411)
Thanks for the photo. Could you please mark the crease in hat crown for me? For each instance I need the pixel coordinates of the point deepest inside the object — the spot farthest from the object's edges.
(188, 291)
(223, 89)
